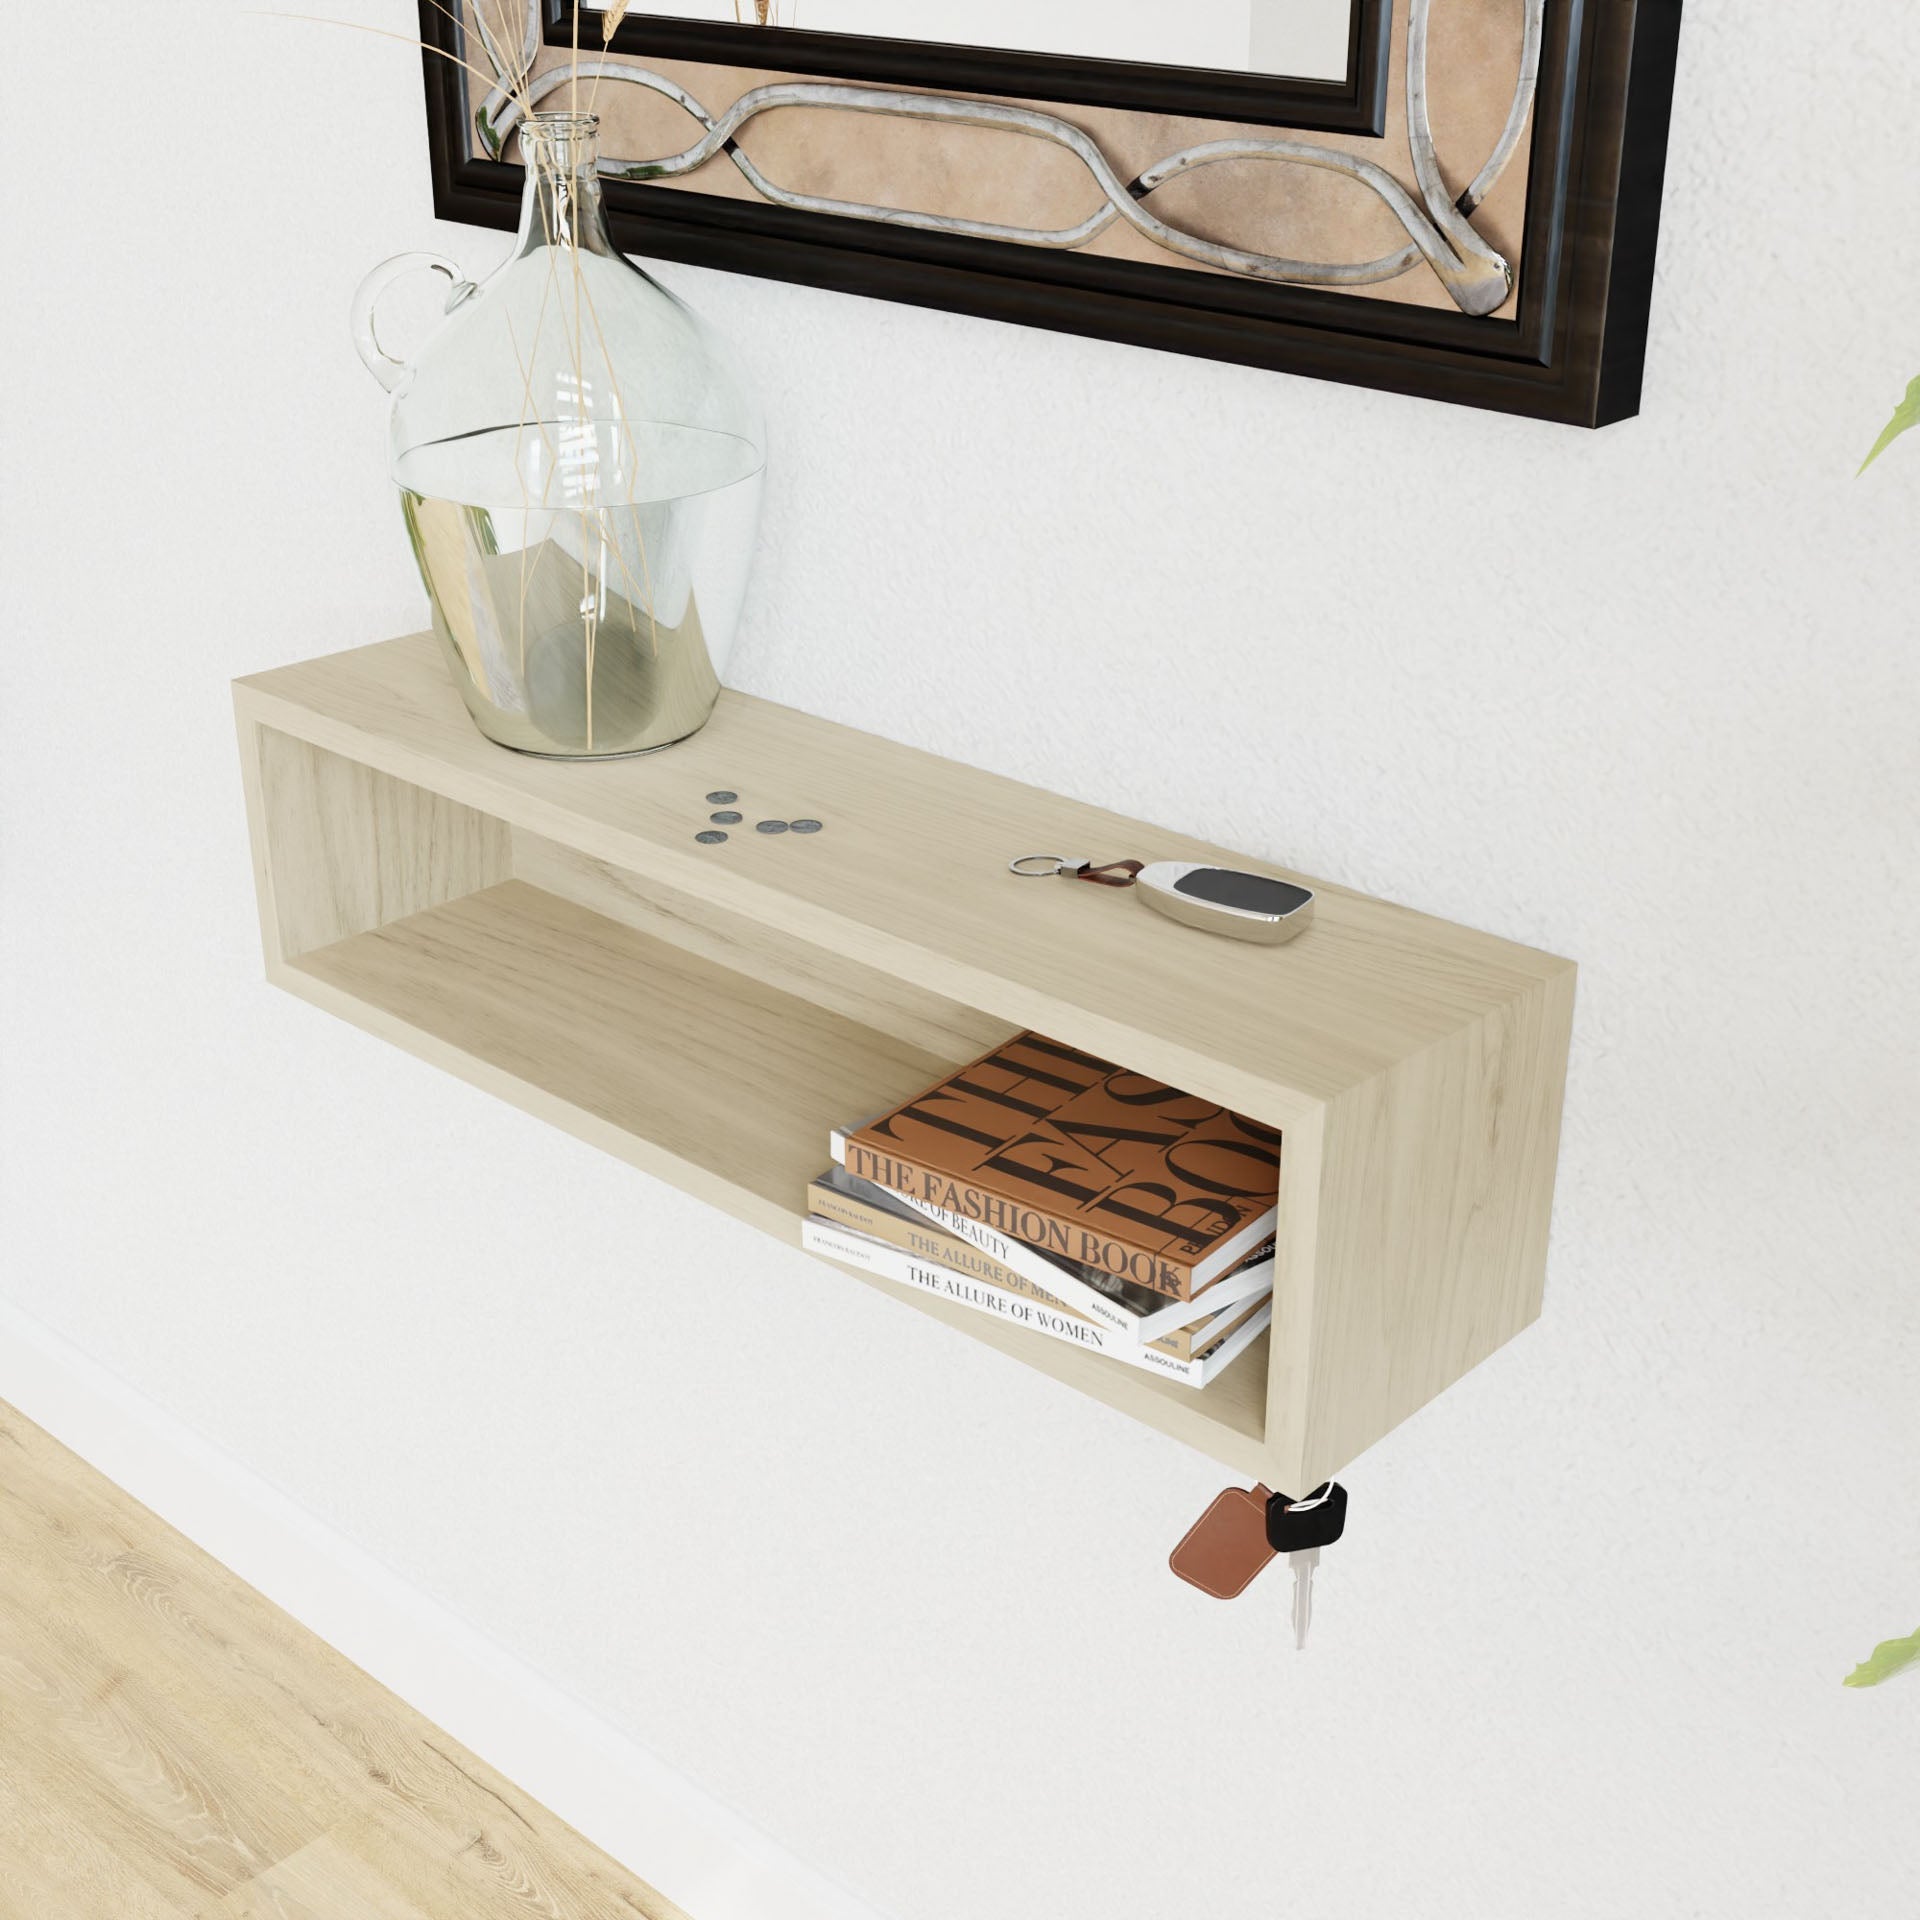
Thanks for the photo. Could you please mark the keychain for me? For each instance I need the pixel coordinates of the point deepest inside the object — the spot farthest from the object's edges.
(1245, 1527)
(1245, 906)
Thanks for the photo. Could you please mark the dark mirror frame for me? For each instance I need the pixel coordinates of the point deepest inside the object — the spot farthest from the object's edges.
(1575, 353)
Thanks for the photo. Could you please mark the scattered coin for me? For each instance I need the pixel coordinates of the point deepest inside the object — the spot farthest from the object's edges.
(709, 838)
(769, 826)
(804, 826)
(724, 797)
(726, 819)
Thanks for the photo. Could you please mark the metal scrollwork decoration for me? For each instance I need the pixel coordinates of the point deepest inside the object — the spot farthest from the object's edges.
(1438, 224)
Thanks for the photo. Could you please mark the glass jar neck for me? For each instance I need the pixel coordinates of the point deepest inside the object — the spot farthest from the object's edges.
(560, 205)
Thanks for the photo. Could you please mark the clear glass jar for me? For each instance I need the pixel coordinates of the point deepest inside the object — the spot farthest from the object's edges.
(579, 465)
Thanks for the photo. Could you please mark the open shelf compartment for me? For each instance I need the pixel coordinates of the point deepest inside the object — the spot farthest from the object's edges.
(553, 934)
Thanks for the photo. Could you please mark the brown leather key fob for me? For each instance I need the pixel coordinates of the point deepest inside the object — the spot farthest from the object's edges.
(1227, 1545)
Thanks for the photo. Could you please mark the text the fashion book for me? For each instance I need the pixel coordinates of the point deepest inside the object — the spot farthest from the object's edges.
(1128, 1310)
(1084, 1160)
(842, 1201)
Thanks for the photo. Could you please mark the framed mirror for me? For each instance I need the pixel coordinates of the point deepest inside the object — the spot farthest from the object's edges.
(1451, 198)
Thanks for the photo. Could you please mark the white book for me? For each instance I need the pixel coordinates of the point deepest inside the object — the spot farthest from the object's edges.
(1044, 1271)
(894, 1263)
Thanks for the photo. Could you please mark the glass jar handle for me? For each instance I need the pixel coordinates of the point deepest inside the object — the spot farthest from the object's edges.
(366, 298)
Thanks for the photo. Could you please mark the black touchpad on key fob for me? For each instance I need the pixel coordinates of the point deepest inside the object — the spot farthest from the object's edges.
(1250, 892)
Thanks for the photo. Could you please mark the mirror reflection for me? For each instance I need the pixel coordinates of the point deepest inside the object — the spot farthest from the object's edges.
(1298, 39)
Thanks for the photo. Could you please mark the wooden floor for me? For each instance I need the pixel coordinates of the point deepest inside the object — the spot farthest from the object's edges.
(173, 1747)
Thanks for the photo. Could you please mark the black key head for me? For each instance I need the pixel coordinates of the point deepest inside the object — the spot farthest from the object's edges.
(1316, 1519)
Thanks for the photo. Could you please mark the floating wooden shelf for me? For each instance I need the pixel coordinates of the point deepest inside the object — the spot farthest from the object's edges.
(553, 933)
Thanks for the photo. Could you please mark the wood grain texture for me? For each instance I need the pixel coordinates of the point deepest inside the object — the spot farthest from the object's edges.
(709, 1013)
(172, 1747)
(713, 1080)
(882, 1001)
(910, 878)
(343, 848)
(1436, 1182)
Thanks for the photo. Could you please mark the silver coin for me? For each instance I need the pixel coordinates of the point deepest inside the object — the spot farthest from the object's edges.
(769, 826)
(709, 838)
(723, 797)
(728, 818)
(804, 826)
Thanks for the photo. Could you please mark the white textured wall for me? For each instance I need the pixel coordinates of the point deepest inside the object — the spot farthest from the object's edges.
(1646, 698)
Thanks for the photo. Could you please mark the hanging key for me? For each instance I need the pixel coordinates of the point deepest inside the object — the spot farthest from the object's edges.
(1243, 1529)
(1299, 1529)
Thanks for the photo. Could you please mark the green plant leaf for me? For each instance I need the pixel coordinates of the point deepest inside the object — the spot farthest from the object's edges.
(1905, 415)
(1890, 1656)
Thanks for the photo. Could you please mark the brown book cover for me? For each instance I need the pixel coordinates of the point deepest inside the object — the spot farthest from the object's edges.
(1084, 1160)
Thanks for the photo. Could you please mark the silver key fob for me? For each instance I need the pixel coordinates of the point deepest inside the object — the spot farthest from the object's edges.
(1244, 906)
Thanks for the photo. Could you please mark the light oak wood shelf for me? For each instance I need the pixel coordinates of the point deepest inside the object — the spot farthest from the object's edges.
(553, 933)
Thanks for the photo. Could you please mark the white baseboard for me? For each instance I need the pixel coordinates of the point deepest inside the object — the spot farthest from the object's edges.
(626, 1800)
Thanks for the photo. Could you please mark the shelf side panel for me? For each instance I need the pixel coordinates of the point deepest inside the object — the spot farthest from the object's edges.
(1436, 1190)
(341, 848)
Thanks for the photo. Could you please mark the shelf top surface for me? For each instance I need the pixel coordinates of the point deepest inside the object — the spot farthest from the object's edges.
(909, 875)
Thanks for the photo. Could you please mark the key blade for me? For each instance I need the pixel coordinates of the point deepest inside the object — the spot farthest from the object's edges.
(1304, 1563)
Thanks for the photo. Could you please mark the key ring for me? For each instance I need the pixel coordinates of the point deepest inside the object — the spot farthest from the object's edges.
(1317, 1498)
(1044, 866)
(1226, 900)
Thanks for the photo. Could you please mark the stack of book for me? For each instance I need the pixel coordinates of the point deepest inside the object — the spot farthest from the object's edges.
(1063, 1194)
